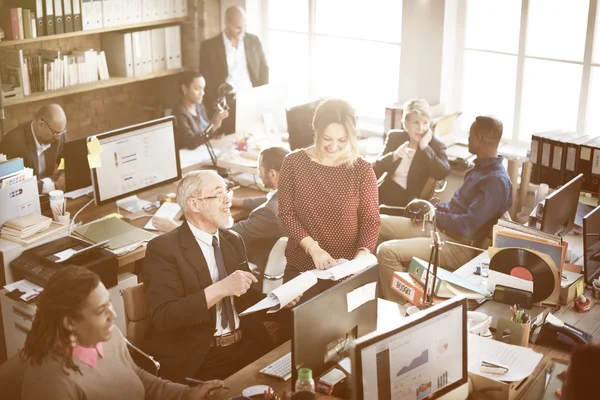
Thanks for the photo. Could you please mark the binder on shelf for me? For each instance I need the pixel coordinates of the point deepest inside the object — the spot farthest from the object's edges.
(147, 10)
(595, 185)
(59, 26)
(174, 11)
(586, 165)
(573, 147)
(49, 17)
(26, 15)
(159, 50)
(173, 43)
(148, 64)
(68, 16)
(546, 153)
(119, 54)
(108, 12)
(12, 24)
(36, 8)
(559, 159)
(77, 21)
(132, 12)
(183, 8)
(535, 154)
(98, 17)
(87, 15)
(137, 52)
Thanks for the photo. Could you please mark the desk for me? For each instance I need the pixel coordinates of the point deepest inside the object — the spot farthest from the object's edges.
(93, 212)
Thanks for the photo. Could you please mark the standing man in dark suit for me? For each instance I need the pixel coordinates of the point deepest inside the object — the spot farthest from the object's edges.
(235, 57)
(40, 144)
(197, 280)
(411, 156)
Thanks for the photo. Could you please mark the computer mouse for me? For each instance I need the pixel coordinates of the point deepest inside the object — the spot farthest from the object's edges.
(255, 390)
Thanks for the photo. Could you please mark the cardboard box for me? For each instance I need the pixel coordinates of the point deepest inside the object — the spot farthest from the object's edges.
(569, 293)
(498, 390)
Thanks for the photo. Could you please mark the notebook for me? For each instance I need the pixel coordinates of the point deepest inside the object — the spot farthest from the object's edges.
(118, 233)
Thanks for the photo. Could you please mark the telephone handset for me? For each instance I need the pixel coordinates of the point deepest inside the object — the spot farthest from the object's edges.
(479, 323)
(564, 337)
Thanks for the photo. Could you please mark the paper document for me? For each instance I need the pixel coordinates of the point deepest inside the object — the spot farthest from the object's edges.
(498, 278)
(167, 210)
(30, 290)
(284, 294)
(568, 278)
(361, 295)
(520, 361)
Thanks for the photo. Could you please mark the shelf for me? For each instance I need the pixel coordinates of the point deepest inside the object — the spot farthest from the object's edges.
(86, 87)
(147, 24)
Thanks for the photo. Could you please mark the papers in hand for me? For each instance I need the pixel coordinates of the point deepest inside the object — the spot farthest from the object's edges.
(284, 294)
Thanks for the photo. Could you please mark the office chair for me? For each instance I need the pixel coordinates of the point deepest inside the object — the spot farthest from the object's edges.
(143, 360)
(430, 188)
(273, 276)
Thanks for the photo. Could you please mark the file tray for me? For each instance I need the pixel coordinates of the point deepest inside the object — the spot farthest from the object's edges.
(118, 233)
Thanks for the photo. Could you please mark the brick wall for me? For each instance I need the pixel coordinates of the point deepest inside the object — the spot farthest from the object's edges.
(101, 110)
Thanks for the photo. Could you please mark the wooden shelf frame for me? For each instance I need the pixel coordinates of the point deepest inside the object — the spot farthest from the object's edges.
(147, 24)
(86, 87)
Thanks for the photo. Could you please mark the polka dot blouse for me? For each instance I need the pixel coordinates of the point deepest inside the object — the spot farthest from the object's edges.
(336, 206)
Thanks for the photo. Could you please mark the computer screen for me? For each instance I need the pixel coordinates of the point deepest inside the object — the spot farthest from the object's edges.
(261, 110)
(591, 245)
(134, 159)
(299, 123)
(77, 170)
(425, 358)
(560, 208)
(323, 329)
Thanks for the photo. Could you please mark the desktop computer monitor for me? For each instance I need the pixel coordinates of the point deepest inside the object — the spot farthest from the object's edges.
(299, 123)
(323, 329)
(261, 110)
(560, 208)
(423, 359)
(134, 159)
(591, 245)
(77, 169)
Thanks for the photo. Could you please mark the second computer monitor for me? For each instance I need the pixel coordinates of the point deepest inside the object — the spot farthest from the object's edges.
(323, 327)
(133, 159)
(560, 208)
(77, 170)
(261, 110)
(299, 123)
(425, 358)
(591, 245)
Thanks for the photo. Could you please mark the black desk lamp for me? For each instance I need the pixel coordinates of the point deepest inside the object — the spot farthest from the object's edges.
(226, 90)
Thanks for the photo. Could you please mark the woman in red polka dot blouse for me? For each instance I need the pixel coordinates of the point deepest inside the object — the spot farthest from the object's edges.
(328, 200)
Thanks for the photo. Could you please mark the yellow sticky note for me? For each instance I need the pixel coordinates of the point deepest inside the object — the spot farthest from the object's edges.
(61, 166)
(94, 161)
(580, 288)
(94, 146)
(445, 125)
(114, 215)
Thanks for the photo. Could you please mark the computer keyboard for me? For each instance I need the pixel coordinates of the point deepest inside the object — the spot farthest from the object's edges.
(280, 368)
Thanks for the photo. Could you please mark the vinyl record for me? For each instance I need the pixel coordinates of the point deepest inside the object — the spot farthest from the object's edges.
(527, 265)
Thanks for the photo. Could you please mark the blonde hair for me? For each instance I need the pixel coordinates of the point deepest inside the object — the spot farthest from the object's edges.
(336, 111)
(190, 186)
(419, 106)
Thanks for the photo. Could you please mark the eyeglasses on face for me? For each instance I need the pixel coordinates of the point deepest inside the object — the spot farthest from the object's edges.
(226, 196)
(55, 133)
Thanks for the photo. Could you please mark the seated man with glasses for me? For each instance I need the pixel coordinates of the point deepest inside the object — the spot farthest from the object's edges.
(197, 282)
(40, 144)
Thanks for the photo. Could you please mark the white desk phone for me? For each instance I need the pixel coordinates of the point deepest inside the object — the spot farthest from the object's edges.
(479, 323)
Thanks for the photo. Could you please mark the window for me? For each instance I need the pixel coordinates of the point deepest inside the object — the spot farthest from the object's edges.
(343, 48)
(534, 78)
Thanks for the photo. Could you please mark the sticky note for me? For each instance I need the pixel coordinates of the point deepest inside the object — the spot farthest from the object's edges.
(445, 125)
(94, 146)
(580, 287)
(114, 215)
(61, 166)
(94, 161)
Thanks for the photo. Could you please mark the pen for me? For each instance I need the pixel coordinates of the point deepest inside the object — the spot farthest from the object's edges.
(491, 364)
(197, 382)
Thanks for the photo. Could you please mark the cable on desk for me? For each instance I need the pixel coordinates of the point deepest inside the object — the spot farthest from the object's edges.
(72, 224)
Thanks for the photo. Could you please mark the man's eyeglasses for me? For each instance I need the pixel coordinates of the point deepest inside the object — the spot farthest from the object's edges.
(55, 133)
(227, 196)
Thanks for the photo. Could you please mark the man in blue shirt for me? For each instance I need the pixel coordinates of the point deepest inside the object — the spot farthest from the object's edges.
(468, 217)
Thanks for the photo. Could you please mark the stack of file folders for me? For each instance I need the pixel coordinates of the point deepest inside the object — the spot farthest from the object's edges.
(559, 156)
(30, 228)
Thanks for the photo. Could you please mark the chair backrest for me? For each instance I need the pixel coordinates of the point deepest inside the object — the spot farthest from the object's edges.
(143, 360)
(136, 314)
(273, 276)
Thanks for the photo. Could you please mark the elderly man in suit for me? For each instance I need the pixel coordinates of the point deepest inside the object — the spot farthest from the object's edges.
(235, 57)
(197, 281)
(40, 144)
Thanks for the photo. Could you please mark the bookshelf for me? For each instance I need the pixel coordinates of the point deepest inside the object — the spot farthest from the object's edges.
(149, 24)
(86, 87)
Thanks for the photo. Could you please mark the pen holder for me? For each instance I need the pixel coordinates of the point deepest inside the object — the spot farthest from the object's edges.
(519, 333)
(596, 289)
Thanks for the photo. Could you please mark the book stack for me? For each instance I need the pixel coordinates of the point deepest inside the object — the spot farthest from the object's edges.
(29, 229)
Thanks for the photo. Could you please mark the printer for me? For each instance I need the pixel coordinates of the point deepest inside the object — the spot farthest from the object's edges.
(38, 264)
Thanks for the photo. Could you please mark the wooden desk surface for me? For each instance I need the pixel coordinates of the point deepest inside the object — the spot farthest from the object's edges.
(250, 376)
(93, 212)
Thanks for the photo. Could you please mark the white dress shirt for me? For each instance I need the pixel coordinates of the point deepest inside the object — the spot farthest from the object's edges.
(401, 174)
(204, 240)
(47, 183)
(237, 65)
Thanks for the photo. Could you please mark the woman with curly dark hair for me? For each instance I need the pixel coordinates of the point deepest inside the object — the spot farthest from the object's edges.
(74, 350)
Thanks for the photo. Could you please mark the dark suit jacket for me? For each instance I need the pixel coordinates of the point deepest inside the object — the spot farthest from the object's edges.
(431, 162)
(213, 66)
(189, 128)
(175, 275)
(19, 142)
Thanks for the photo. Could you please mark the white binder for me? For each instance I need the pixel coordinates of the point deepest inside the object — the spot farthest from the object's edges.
(119, 54)
(173, 42)
(146, 37)
(159, 50)
(98, 17)
(87, 14)
(137, 51)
